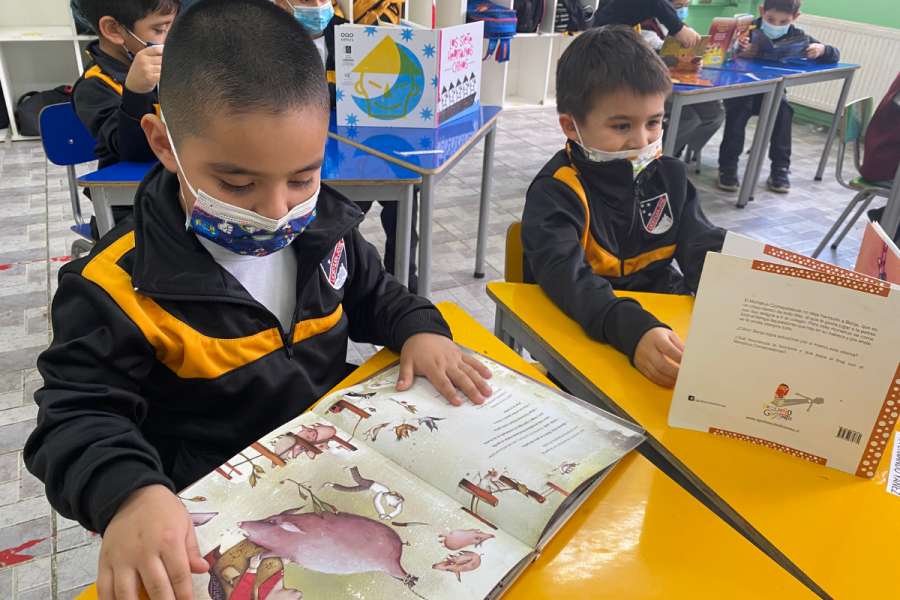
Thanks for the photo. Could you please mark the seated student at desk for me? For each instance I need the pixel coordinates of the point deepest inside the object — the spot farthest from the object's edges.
(175, 348)
(119, 85)
(319, 18)
(609, 211)
(776, 22)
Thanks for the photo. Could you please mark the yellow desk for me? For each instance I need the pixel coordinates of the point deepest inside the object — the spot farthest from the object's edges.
(638, 536)
(839, 530)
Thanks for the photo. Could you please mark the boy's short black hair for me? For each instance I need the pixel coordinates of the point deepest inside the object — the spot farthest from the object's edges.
(604, 61)
(790, 7)
(233, 57)
(125, 12)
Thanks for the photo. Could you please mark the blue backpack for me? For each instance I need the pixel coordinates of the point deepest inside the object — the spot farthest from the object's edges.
(499, 26)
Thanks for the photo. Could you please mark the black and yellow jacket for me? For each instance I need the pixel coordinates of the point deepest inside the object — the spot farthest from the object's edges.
(590, 228)
(111, 112)
(163, 366)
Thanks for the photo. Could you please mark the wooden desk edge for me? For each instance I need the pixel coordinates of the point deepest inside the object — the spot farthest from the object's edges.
(416, 169)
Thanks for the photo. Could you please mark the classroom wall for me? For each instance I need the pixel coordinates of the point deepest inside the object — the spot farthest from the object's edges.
(885, 13)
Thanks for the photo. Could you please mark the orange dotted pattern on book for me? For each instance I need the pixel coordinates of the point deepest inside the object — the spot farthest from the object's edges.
(761, 442)
(882, 430)
(815, 265)
(868, 286)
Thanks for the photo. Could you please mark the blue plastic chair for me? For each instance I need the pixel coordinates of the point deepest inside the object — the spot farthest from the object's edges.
(67, 143)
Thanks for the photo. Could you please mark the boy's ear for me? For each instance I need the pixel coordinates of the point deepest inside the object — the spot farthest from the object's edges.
(155, 130)
(112, 30)
(762, 13)
(797, 16)
(567, 123)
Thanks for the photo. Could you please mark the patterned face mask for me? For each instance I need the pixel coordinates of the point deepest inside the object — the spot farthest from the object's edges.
(243, 231)
(639, 158)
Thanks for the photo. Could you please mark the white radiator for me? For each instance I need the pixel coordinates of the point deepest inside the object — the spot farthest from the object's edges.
(876, 49)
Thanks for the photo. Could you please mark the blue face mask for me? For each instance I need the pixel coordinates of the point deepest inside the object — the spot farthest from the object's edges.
(314, 18)
(773, 32)
(682, 13)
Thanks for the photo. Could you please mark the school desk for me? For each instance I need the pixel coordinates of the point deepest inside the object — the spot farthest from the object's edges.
(793, 73)
(356, 174)
(431, 153)
(829, 528)
(726, 84)
(639, 535)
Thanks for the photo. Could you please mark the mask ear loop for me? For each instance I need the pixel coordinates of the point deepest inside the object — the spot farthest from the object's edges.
(187, 215)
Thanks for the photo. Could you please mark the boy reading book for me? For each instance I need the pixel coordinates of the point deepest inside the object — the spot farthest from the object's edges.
(776, 22)
(609, 212)
(223, 308)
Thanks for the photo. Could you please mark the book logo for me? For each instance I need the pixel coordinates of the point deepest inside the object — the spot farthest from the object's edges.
(656, 215)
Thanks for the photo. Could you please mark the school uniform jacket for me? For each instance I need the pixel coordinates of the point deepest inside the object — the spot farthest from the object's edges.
(590, 228)
(111, 112)
(635, 12)
(830, 55)
(163, 366)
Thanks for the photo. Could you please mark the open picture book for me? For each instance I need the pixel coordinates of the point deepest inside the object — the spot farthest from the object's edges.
(793, 354)
(878, 255)
(377, 494)
(685, 63)
(786, 47)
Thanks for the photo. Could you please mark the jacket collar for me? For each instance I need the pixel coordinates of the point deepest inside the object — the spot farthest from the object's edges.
(109, 65)
(170, 261)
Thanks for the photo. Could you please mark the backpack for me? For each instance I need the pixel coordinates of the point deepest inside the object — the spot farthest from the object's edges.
(29, 106)
(499, 26)
(529, 15)
(573, 15)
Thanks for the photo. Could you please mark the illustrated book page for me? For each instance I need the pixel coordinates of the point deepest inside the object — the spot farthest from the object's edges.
(310, 509)
(510, 462)
(878, 255)
(793, 359)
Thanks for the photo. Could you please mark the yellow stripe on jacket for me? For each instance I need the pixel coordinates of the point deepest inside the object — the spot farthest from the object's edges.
(184, 350)
(96, 72)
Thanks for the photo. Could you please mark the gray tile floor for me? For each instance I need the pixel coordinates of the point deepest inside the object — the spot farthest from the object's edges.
(46, 557)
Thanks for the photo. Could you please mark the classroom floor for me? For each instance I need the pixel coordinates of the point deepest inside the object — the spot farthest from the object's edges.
(44, 556)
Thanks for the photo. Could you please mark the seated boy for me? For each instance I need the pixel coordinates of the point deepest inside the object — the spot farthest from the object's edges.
(319, 18)
(222, 309)
(776, 21)
(609, 212)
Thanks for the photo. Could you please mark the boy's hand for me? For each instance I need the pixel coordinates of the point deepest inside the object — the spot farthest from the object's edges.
(687, 37)
(651, 352)
(814, 51)
(150, 540)
(445, 366)
(747, 50)
(143, 75)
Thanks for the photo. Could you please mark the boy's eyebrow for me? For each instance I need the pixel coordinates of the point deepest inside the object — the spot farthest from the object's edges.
(629, 117)
(232, 169)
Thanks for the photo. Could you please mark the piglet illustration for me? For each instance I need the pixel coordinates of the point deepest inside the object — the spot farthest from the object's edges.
(459, 539)
(296, 444)
(459, 563)
(339, 544)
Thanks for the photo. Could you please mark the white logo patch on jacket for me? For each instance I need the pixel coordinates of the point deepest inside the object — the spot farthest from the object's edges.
(335, 266)
(656, 214)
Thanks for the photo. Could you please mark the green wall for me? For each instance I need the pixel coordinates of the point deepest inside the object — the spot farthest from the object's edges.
(885, 13)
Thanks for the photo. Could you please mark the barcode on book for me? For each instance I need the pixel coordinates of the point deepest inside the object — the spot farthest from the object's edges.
(849, 435)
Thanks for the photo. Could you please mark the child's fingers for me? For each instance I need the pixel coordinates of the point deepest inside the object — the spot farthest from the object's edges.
(443, 384)
(178, 569)
(156, 580)
(477, 365)
(673, 337)
(105, 589)
(672, 351)
(198, 564)
(465, 385)
(407, 369)
(126, 584)
(667, 370)
(472, 383)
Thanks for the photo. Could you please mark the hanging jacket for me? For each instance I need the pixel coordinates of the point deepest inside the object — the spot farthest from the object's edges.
(635, 12)
(163, 366)
(882, 149)
(111, 112)
(590, 228)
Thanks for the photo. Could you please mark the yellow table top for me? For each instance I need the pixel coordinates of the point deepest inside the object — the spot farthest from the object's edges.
(638, 536)
(837, 528)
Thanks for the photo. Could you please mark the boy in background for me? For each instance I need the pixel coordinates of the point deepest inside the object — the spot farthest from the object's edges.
(776, 21)
(223, 308)
(609, 212)
(319, 18)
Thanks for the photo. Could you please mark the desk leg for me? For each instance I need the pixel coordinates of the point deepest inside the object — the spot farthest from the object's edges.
(484, 213)
(426, 229)
(891, 219)
(404, 227)
(832, 133)
(760, 144)
(499, 331)
(674, 120)
(102, 210)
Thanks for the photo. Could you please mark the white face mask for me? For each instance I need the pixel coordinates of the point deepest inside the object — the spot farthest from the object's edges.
(240, 230)
(639, 158)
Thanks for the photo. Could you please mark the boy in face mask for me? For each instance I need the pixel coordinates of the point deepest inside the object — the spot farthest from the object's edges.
(776, 21)
(224, 307)
(609, 212)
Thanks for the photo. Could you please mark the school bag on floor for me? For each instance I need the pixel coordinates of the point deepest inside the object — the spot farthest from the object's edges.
(29, 106)
(529, 15)
(499, 26)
